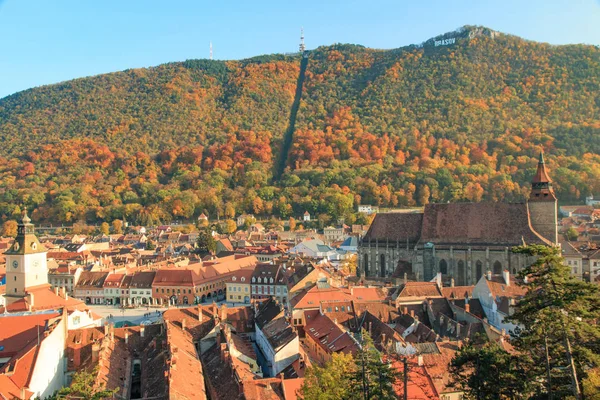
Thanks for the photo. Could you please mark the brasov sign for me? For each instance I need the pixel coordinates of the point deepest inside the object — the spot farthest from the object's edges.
(445, 42)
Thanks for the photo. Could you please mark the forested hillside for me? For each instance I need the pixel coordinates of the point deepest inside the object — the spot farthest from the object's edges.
(457, 122)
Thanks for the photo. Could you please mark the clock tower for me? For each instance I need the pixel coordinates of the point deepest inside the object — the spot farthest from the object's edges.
(26, 265)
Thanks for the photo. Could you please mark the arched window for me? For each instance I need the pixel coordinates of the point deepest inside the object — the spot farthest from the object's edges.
(460, 277)
(514, 271)
(443, 267)
(497, 268)
(382, 265)
(478, 270)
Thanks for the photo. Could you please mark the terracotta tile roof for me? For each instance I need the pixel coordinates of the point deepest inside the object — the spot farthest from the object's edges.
(368, 293)
(263, 389)
(291, 388)
(93, 280)
(419, 290)
(313, 297)
(329, 336)
(175, 277)
(218, 375)
(16, 332)
(9, 390)
(114, 280)
(46, 299)
(458, 292)
(186, 380)
(142, 279)
(502, 224)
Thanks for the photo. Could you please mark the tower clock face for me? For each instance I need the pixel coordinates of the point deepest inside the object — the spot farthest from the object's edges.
(15, 264)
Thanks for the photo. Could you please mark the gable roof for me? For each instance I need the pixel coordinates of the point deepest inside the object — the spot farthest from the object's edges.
(505, 224)
(400, 227)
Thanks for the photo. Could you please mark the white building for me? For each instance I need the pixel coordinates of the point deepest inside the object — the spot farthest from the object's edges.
(498, 295)
(35, 369)
(275, 338)
(591, 201)
(368, 209)
(306, 216)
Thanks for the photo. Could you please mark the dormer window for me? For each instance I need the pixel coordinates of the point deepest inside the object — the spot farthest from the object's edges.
(33, 246)
(243, 279)
(233, 278)
(253, 279)
(271, 281)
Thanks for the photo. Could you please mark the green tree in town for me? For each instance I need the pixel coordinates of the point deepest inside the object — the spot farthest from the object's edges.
(330, 382)
(572, 234)
(557, 333)
(374, 377)
(489, 372)
(206, 243)
(82, 387)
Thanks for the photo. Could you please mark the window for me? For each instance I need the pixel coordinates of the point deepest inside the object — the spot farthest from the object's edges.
(497, 268)
(156, 290)
(443, 267)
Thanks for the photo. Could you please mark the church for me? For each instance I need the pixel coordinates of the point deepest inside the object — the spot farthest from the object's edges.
(462, 241)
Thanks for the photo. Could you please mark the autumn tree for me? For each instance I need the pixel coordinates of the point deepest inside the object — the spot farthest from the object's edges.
(117, 226)
(9, 228)
(292, 224)
(104, 228)
(230, 226)
(333, 381)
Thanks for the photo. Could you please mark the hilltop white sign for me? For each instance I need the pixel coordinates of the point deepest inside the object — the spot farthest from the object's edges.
(445, 42)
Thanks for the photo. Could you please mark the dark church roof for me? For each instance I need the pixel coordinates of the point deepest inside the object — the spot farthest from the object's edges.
(495, 224)
(396, 227)
(504, 224)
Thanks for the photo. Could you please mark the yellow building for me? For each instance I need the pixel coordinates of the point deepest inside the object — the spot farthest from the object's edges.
(238, 286)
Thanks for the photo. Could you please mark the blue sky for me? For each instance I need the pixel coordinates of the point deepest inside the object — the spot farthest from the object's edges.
(49, 41)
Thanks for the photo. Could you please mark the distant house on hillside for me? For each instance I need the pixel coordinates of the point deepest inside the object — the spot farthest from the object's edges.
(202, 217)
(306, 216)
(368, 209)
(592, 200)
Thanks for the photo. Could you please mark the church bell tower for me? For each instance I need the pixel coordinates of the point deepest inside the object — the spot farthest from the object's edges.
(26, 265)
(542, 204)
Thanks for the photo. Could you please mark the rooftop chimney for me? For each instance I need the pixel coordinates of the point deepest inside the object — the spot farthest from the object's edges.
(126, 337)
(106, 329)
(405, 278)
(95, 352)
(438, 279)
(56, 290)
(489, 275)
(506, 276)
(200, 313)
(142, 330)
(412, 313)
(420, 360)
(468, 307)
(452, 282)
(183, 324)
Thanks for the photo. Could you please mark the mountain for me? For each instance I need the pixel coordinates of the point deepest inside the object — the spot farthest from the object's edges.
(460, 117)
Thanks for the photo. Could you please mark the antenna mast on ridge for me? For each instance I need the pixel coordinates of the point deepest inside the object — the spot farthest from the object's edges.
(210, 54)
(302, 45)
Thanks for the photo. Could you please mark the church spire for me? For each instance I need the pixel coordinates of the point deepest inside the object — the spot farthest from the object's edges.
(541, 184)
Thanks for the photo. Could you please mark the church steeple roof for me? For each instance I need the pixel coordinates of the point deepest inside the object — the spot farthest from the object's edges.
(541, 175)
(541, 184)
